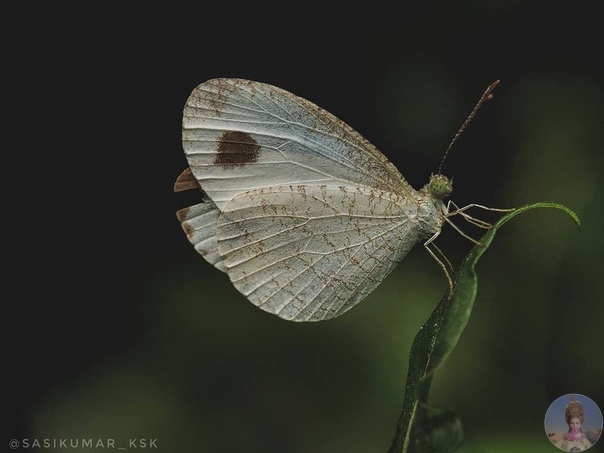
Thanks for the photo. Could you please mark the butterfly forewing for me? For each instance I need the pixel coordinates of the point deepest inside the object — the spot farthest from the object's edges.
(240, 135)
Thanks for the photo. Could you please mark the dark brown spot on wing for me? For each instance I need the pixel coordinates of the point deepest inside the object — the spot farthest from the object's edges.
(186, 181)
(236, 148)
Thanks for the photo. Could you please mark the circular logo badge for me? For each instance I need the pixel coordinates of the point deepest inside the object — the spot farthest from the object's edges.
(573, 422)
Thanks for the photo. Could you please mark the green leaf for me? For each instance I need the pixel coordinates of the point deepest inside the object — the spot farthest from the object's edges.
(422, 428)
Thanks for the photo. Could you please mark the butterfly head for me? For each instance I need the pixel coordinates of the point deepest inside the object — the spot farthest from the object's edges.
(440, 186)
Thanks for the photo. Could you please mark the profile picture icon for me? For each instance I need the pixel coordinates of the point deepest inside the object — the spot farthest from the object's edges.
(573, 423)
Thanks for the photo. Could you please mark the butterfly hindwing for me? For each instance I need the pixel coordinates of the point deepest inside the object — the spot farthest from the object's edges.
(311, 252)
(199, 224)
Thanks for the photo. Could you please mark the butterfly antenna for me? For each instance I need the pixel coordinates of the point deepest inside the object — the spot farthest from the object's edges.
(487, 95)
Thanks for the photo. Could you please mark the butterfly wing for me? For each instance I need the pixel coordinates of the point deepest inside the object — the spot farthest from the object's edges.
(199, 224)
(240, 135)
(304, 215)
(310, 253)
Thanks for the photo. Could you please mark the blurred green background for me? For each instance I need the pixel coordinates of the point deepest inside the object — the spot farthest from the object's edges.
(120, 330)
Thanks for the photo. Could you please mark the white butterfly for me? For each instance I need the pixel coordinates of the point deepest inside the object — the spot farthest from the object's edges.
(304, 214)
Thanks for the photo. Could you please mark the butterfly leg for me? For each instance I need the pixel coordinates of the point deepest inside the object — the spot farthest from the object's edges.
(440, 263)
(486, 208)
(469, 218)
(471, 239)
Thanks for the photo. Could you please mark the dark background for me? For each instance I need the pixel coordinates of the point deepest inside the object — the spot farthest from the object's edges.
(118, 329)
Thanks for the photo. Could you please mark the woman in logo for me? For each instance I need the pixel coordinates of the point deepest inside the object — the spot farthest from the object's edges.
(574, 439)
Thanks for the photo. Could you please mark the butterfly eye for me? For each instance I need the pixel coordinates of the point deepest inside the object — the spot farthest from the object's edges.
(440, 186)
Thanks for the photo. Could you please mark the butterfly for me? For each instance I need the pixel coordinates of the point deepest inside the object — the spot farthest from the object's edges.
(304, 215)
